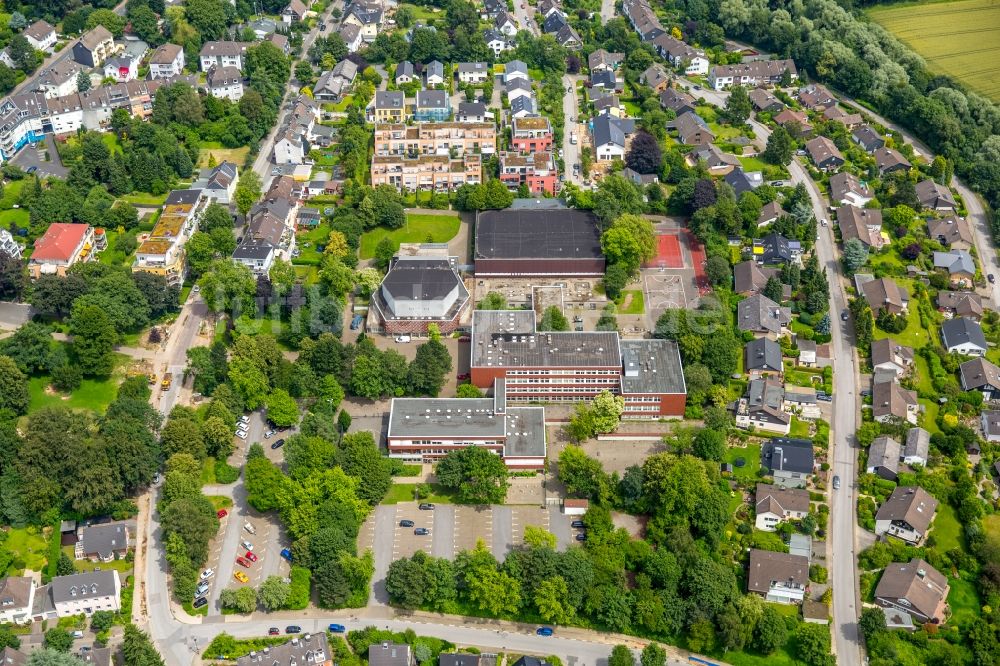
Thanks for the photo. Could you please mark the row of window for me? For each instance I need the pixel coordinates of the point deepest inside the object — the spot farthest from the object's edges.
(614, 373)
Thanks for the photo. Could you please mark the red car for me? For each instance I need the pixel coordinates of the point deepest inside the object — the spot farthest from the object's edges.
(221, 513)
(250, 556)
(273, 631)
(463, 376)
(242, 562)
(465, 338)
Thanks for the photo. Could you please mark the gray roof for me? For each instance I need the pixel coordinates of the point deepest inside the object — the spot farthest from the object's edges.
(420, 279)
(404, 68)
(760, 313)
(515, 66)
(223, 76)
(962, 330)
(979, 375)
(955, 261)
(524, 103)
(766, 397)
(787, 454)
(188, 196)
(433, 99)
(471, 109)
(537, 234)
(605, 78)
(689, 123)
(990, 419)
(776, 247)
(94, 37)
(15, 591)
(104, 540)
(891, 399)
(390, 654)
(434, 67)
(844, 183)
(964, 303)
(777, 499)
(606, 131)
(553, 22)
(473, 67)
(868, 138)
(298, 650)
(253, 248)
(517, 84)
(918, 443)
(763, 354)
(97, 656)
(12, 657)
(768, 567)
(389, 99)
(346, 69)
(216, 49)
(508, 339)
(750, 276)
(743, 181)
(450, 659)
(83, 585)
(652, 366)
(676, 100)
(932, 194)
(884, 452)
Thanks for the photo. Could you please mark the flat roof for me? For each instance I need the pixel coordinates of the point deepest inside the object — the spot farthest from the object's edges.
(537, 234)
(521, 428)
(507, 338)
(652, 366)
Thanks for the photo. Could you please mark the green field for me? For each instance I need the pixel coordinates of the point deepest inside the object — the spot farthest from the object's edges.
(960, 39)
(93, 394)
(403, 492)
(29, 548)
(963, 600)
(751, 456)
(631, 302)
(440, 228)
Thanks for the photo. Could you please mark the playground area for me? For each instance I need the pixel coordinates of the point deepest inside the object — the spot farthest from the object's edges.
(675, 277)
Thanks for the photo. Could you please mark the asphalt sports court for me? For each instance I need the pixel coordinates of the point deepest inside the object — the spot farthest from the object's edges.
(668, 252)
(664, 292)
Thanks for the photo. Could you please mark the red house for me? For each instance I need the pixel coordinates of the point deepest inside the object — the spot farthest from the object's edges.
(531, 134)
(536, 170)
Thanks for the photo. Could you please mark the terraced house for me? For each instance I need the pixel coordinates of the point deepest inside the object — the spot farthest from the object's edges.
(426, 172)
(435, 139)
(161, 252)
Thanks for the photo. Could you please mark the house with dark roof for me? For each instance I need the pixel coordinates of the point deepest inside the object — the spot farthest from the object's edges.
(989, 421)
(405, 73)
(750, 277)
(907, 514)
(609, 136)
(505, 24)
(778, 577)
(553, 22)
(935, 196)
(601, 59)
(775, 249)
(883, 457)
(677, 101)
(816, 97)
(893, 403)
(917, 447)
(419, 291)
(864, 224)
(472, 112)
(765, 101)
(890, 359)
(762, 407)
(825, 155)
(743, 181)
(474, 72)
(497, 42)
(962, 335)
(885, 294)
(952, 232)
(959, 265)
(523, 106)
(692, 130)
(607, 105)
(390, 654)
(604, 80)
(790, 461)
(759, 314)
(12, 657)
(960, 304)
(981, 375)
(711, 156)
(434, 73)
(889, 159)
(775, 504)
(94, 47)
(915, 588)
(762, 357)
(432, 106)
(333, 84)
(458, 659)
(848, 120)
(655, 77)
(866, 137)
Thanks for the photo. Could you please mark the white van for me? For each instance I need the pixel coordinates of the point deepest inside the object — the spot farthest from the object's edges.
(402, 338)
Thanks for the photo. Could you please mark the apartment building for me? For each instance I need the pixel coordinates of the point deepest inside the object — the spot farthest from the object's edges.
(94, 47)
(62, 245)
(435, 139)
(222, 54)
(536, 170)
(166, 61)
(162, 251)
(426, 172)
(388, 106)
(531, 134)
(82, 593)
(758, 72)
(41, 35)
(225, 83)
(58, 80)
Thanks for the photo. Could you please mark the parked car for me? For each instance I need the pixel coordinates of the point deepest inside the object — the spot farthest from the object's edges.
(221, 513)
(246, 545)
(426, 506)
(577, 524)
(77, 634)
(199, 602)
(201, 589)
(293, 629)
(544, 631)
(406, 523)
(250, 556)
(250, 528)
(465, 338)
(992, 278)
(836, 482)
(337, 628)
(241, 577)
(825, 397)
(242, 434)
(273, 631)
(845, 315)
(824, 222)
(287, 554)
(278, 444)
(243, 562)
(269, 434)
(356, 322)
(421, 531)
(402, 338)
(207, 573)
(464, 376)
(582, 536)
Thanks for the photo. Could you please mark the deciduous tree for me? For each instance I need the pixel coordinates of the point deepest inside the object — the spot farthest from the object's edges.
(477, 475)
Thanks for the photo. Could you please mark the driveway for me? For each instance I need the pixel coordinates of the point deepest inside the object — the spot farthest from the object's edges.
(33, 156)
(13, 315)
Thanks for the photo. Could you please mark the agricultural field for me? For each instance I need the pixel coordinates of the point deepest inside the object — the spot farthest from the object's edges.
(960, 39)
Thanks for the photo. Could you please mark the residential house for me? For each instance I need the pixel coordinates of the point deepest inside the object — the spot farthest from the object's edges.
(848, 120)
(17, 596)
(990, 423)
(605, 82)
(692, 130)
(677, 101)
(864, 224)
(62, 245)
(907, 514)
(762, 407)
(824, 154)
(121, 69)
(391, 654)
(225, 83)
(743, 181)
(333, 85)
(935, 196)
(774, 249)
(426, 172)
(529, 135)
(82, 593)
(546, 8)
(717, 162)
(505, 24)
(981, 375)
(434, 73)
(167, 61)
(474, 72)
(13, 657)
(883, 457)
(388, 106)
(917, 447)
(890, 359)
(518, 87)
(750, 277)
(161, 251)
(607, 105)
(458, 659)
(959, 264)
(755, 73)
(656, 78)
(222, 54)
(473, 112)
(759, 314)
(218, 183)
(59, 80)
(775, 504)
(290, 147)
(352, 35)
(609, 137)
(789, 461)
(281, 41)
(960, 304)
(601, 59)
(891, 402)
(492, 8)
(553, 22)
(537, 171)
(103, 542)
(432, 106)
(952, 232)
(497, 42)
(678, 54)
(765, 101)
(640, 179)
(366, 16)
(762, 357)
(8, 246)
(816, 97)
(807, 352)
(405, 73)
(41, 35)
(847, 190)
(643, 19)
(795, 121)
(888, 160)
(915, 588)
(306, 649)
(771, 212)
(293, 12)
(866, 137)
(778, 577)
(885, 294)
(94, 47)
(523, 106)
(963, 336)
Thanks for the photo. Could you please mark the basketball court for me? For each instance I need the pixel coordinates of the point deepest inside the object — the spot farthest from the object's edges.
(668, 252)
(664, 291)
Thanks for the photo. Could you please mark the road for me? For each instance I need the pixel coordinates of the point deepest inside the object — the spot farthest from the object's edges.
(607, 10)
(524, 13)
(190, 319)
(571, 152)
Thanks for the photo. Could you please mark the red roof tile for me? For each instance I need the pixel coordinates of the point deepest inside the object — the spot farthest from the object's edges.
(59, 242)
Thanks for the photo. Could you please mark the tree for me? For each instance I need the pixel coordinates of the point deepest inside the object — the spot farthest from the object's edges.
(248, 191)
(771, 632)
(429, 367)
(719, 271)
(493, 300)
(17, 21)
(194, 521)
(606, 411)
(101, 621)
(23, 54)
(83, 83)
(94, 339)
(553, 320)
(478, 475)
(653, 655)
(738, 106)
(13, 387)
(229, 286)
(780, 147)
(183, 435)
(872, 623)
(384, 252)
(812, 644)
(709, 445)
(855, 255)
(208, 17)
(467, 390)
(630, 241)
(621, 655)
(58, 639)
(273, 593)
(362, 459)
(109, 19)
(49, 657)
(772, 289)
(13, 276)
(282, 410)
(645, 155)
(241, 600)
(582, 475)
(138, 650)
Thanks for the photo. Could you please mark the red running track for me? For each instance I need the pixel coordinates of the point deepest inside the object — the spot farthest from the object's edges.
(668, 252)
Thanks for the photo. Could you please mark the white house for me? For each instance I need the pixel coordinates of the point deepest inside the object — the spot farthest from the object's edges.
(907, 514)
(497, 42)
(225, 83)
(775, 504)
(17, 595)
(219, 182)
(474, 72)
(289, 148)
(166, 61)
(83, 593)
(222, 54)
(962, 335)
(609, 138)
(121, 69)
(506, 24)
(40, 35)
(294, 12)
(575, 507)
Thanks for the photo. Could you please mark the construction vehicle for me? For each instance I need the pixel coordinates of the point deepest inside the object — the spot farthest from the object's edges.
(165, 384)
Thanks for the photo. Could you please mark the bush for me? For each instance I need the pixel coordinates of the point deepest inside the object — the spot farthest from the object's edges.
(299, 596)
(225, 473)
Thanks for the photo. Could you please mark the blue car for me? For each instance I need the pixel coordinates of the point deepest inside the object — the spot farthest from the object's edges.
(337, 628)
(287, 554)
(544, 631)
(356, 322)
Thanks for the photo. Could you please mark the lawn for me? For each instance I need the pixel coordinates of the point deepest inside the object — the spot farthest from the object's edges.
(18, 216)
(941, 33)
(947, 530)
(237, 156)
(799, 429)
(94, 394)
(963, 600)
(991, 525)
(424, 13)
(631, 303)
(914, 335)
(403, 492)
(144, 199)
(751, 455)
(208, 471)
(220, 501)
(123, 567)
(307, 242)
(11, 192)
(419, 228)
(29, 548)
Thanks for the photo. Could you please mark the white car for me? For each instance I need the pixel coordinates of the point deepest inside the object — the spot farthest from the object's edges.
(823, 222)
(242, 434)
(247, 545)
(268, 434)
(207, 573)
(244, 419)
(250, 528)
